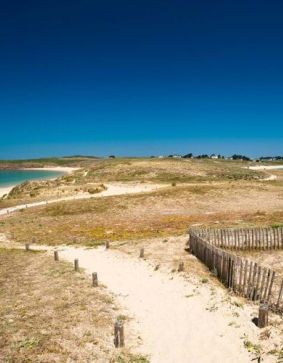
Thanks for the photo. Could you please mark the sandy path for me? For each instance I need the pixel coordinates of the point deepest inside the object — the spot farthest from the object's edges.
(267, 167)
(175, 318)
(173, 327)
(112, 189)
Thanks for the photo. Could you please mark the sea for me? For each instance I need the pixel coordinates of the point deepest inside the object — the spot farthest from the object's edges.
(13, 177)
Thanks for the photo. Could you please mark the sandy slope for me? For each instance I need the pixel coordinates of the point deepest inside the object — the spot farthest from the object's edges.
(6, 190)
(112, 189)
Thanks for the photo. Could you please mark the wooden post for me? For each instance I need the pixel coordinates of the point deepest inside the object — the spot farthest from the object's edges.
(94, 279)
(280, 295)
(27, 246)
(263, 316)
(270, 285)
(33, 240)
(142, 253)
(181, 267)
(76, 264)
(116, 334)
(122, 336)
(107, 245)
(56, 256)
(119, 340)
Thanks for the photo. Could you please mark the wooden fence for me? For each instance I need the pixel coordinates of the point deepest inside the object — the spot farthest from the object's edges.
(244, 239)
(244, 277)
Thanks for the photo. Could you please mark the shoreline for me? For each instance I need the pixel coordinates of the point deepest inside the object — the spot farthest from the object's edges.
(65, 169)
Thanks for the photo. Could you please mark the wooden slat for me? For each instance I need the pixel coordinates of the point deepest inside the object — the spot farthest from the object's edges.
(280, 295)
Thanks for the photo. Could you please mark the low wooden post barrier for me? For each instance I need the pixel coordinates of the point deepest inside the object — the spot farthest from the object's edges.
(119, 340)
(56, 256)
(142, 253)
(27, 246)
(263, 316)
(94, 279)
(76, 264)
(107, 245)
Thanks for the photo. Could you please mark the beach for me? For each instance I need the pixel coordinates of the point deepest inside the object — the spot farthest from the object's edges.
(64, 169)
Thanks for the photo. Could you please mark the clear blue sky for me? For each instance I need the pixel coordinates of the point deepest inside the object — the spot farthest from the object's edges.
(141, 77)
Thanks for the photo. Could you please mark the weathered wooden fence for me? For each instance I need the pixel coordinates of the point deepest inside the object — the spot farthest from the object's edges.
(244, 239)
(246, 278)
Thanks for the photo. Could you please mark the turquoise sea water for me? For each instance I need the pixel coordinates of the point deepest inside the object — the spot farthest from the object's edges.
(13, 177)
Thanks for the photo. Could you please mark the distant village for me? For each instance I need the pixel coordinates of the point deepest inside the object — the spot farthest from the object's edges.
(218, 156)
(215, 156)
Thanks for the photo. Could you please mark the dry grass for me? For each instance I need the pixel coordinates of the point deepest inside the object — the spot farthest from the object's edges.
(168, 170)
(161, 213)
(49, 313)
(218, 199)
(94, 171)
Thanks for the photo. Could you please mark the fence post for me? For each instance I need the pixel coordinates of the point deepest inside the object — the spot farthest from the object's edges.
(56, 256)
(119, 340)
(263, 316)
(94, 279)
(107, 245)
(181, 267)
(76, 264)
(142, 253)
(27, 246)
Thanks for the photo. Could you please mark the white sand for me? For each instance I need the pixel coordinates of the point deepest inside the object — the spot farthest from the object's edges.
(266, 167)
(112, 189)
(65, 169)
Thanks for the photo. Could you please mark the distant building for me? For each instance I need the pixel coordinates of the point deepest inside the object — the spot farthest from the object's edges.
(177, 156)
(213, 156)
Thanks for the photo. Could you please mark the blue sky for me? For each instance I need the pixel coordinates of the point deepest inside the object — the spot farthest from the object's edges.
(141, 77)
